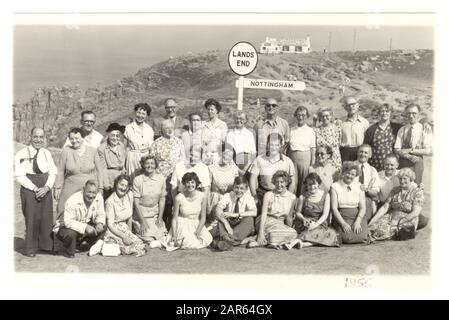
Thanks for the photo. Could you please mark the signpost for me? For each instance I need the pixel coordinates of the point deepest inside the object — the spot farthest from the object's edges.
(243, 60)
(272, 84)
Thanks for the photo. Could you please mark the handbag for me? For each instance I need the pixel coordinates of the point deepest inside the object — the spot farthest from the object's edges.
(405, 229)
(110, 250)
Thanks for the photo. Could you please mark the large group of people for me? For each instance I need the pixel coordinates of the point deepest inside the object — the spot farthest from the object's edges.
(174, 183)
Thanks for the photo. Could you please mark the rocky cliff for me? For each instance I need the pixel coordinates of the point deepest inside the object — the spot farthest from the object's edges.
(374, 77)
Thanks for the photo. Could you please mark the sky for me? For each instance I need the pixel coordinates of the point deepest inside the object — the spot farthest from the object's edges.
(101, 54)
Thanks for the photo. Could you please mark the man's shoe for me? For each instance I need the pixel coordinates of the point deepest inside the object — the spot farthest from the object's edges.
(68, 255)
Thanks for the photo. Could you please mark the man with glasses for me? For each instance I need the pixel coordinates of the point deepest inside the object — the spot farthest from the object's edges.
(91, 137)
(272, 124)
(413, 142)
(180, 124)
(352, 130)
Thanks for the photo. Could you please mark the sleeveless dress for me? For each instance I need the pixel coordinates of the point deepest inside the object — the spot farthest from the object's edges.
(323, 234)
(188, 220)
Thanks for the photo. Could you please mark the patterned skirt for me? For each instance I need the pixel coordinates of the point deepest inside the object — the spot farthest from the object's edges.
(137, 247)
(276, 231)
(387, 226)
(322, 235)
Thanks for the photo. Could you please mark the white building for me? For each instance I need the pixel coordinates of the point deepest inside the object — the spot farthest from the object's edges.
(273, 46)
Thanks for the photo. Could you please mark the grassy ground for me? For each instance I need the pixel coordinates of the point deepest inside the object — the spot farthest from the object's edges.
(392, 258)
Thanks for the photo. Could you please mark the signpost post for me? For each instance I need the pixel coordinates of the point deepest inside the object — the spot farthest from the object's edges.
(243, 60)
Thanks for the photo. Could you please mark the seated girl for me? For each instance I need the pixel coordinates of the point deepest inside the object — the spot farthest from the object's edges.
(189, 216)
(312, 214)
(274, 224)
(119, 210)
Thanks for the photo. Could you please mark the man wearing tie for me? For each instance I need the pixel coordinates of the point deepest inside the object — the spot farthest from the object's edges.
(35, 171)
(235, 214)
(413, 142)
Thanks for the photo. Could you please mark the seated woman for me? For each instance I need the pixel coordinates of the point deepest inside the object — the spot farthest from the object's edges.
(119, 211)
(403, 205)
(324, 168)
(149, 200)
(273, 225)
(348, 206)
(312, 213)
(189, 216)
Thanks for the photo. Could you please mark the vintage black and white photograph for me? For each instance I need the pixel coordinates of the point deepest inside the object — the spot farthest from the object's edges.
(277, 147)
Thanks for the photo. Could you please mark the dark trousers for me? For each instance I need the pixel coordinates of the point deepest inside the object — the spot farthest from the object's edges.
(71, 240)
(38, 217)
(168, 209)
(348, 153)
(418, 167)
(241, 229)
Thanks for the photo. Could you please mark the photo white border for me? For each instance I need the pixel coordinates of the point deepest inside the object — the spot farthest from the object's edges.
(18, 285)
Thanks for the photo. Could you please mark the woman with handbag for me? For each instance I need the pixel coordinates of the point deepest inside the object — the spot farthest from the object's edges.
(401, 212)
(312, 213)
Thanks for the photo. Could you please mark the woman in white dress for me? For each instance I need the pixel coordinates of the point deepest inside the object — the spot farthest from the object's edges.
(189, 216)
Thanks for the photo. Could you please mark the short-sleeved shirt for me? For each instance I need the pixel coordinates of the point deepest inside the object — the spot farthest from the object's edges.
(149, 189)
(223, 177)
(242, 140)
(120, 209)
(302, 138)
(139, 138)
(265, 127)
(265, 168)
(200, 169)
(353, 131)
(279, 205)
(348, 195)
(246, 202)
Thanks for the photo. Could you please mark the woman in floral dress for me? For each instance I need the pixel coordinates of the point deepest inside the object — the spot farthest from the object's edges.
(329, 134)
(404, 205)
(119, 210)
(381, 136)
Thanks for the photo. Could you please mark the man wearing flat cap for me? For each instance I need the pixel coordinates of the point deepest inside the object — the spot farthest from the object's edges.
(112, 154)
(352, 130)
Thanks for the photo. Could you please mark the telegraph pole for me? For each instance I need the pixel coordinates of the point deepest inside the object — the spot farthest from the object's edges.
(353, 40)
(391, 45)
